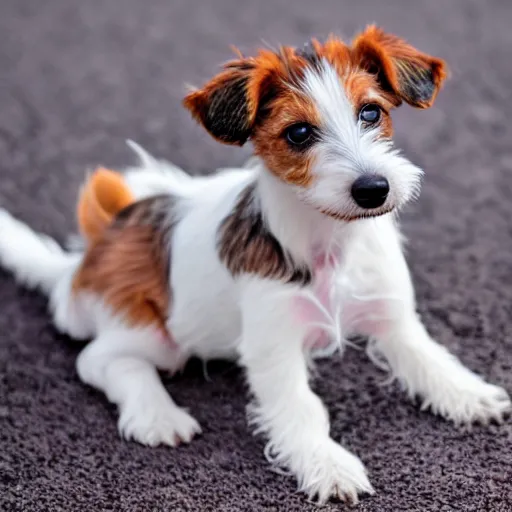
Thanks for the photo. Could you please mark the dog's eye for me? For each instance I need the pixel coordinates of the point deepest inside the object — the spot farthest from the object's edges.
(299, 134)
(370, 114)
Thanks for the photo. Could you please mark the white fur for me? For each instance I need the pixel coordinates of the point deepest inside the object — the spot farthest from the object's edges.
(123, 363)
(254, 320)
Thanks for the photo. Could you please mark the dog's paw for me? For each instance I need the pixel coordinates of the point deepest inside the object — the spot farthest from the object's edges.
(169, 425)
(333, 472)
(471, 400)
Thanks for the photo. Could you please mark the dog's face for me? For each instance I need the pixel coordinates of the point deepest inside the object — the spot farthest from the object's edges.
(320, 117)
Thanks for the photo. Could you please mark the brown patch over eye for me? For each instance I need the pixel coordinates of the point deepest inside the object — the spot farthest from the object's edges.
(383, 122)
(362, 90)
(272, 143)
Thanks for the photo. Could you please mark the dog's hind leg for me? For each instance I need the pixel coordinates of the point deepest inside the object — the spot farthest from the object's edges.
(123, 364)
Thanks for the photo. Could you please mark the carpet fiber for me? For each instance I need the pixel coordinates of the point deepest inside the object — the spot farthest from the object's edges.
(77, 79)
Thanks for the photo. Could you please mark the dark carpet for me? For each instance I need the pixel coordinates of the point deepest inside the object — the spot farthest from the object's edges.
(76, 79)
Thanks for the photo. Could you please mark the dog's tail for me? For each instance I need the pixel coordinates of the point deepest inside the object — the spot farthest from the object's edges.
(36, 260)
(102, 197)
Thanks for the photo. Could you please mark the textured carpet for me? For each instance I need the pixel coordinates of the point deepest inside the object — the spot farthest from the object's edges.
(76, 79)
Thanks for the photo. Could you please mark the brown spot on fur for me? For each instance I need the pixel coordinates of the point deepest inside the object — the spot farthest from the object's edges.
(128, 265)
(246, 246)
(227, 106)
(336, 53)
(290, 165)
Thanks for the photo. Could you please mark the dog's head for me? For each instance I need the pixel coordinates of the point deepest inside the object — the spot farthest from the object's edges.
(319, 117)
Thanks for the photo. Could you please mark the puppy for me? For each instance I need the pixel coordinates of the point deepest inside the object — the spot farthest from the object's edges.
(270, 264)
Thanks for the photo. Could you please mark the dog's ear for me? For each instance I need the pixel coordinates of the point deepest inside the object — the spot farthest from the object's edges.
(401, 69)
(228, 104)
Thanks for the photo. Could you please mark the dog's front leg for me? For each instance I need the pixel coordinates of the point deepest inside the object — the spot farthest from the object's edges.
(424, 367)
(428, 370)
(285, 408)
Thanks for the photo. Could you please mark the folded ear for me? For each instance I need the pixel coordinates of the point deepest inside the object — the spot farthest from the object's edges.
(228, 104)
(402, 70)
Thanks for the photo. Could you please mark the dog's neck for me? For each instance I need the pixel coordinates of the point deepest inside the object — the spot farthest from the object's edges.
(300, 229)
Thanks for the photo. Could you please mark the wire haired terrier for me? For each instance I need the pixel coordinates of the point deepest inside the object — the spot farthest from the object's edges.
(270, 264)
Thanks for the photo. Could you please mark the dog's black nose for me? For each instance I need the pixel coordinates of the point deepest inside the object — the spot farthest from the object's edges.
(370, 190)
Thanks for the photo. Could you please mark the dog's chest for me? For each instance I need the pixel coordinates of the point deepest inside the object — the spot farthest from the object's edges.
(349, 295)
(320, 307)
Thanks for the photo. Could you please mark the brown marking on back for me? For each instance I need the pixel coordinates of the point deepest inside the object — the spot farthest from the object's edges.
(128, 266)
(246, 245)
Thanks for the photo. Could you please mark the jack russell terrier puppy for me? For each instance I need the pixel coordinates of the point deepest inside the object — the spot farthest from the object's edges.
(271, 264)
